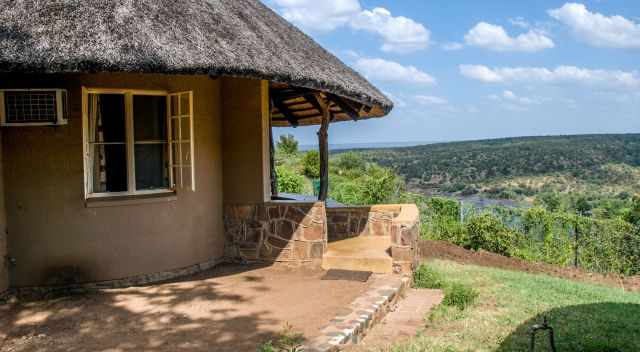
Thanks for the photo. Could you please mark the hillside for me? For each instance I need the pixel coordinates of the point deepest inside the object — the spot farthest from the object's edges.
(585, 317)
(525, 165)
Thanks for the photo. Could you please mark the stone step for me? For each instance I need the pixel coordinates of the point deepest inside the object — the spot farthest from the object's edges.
(362, 253)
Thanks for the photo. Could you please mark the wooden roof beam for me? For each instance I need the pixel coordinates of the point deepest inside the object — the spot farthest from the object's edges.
(345, 107)
(293, 121)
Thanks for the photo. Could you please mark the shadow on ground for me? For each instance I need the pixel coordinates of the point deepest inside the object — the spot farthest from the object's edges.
(195, 314)
(598, 327)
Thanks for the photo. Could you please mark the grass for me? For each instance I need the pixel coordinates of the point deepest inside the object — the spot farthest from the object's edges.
(585, 317)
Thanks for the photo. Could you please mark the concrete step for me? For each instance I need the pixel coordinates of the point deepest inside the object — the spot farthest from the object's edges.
(362, 253)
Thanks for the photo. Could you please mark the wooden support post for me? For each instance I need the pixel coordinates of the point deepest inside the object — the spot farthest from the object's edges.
(323, 142)
(272, 164)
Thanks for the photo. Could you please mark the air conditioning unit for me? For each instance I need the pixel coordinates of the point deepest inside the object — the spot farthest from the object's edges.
(33, 107)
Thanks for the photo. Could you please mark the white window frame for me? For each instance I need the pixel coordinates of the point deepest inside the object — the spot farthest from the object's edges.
(62, 98)
(130, 142)
(176, 137)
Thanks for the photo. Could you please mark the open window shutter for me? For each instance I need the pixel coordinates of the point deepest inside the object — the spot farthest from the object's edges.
(180, 123)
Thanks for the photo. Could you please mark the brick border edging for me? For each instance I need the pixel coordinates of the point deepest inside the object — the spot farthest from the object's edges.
(39, 292)
(365, 312)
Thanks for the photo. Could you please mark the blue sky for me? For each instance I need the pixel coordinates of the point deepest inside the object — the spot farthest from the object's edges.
(460, 70)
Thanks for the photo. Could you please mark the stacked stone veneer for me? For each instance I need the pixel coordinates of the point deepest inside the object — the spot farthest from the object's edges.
(400, 222)
(298, 233)
(289, 232)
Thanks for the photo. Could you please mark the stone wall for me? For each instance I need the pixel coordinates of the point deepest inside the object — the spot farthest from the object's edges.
(405, 232)
(401, 222)
(288, 232)
(347, 222)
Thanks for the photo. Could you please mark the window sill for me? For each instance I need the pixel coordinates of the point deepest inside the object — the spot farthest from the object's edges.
(133, 199)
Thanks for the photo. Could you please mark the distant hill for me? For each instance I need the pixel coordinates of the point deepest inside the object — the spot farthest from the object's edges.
(356, 146)
(451, 167)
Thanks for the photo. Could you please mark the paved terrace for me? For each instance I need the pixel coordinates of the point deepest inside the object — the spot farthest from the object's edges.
(229, 308)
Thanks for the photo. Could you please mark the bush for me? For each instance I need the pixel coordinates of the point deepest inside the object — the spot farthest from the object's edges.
(374, 185)
(633, 214)
(460, 296)
(350, 163)
(289, 181)
(485, 231)
(311, 164)
(426, 277)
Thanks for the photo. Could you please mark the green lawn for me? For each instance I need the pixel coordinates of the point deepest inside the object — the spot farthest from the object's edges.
(585, 317)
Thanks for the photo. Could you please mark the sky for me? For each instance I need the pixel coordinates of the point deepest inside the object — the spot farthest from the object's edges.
(468, 69)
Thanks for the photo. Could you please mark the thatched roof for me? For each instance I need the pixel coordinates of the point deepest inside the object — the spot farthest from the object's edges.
(241, 38)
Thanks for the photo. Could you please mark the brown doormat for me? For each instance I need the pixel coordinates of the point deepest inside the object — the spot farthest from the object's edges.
(347, 275)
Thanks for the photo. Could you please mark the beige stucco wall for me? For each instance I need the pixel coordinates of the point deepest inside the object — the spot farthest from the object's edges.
(4, 270)
(245, 113)
(52, 231)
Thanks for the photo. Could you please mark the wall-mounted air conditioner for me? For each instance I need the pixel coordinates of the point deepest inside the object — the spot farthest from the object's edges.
(33, 107)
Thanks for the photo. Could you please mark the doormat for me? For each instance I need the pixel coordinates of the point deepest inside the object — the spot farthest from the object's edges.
(347, 275)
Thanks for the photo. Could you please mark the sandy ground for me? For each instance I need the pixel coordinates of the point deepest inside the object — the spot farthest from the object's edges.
(448, 251)
(231, 308)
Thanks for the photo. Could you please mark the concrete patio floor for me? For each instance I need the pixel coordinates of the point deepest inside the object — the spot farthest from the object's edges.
(230, 308)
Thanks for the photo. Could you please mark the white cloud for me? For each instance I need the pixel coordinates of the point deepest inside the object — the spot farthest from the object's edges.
(510, 101)
(493, 37)
(390, 71)
(597, 29)
(520, 22)
(512, 97)
(322, 16)
(451, 46)
(399, 34)
(430, 100)
(480, 73)
(560, 74)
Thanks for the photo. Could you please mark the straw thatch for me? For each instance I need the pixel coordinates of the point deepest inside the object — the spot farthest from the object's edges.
(241, 38)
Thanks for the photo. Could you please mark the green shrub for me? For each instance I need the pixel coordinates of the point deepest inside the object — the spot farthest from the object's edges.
(633, 215)
(266, 347)
(427, 277)
(374, 185)
(350, 163)
(460, 296)
(311, 164)
(289, 181)
(485, 231)
(444, 207)
(289, 340)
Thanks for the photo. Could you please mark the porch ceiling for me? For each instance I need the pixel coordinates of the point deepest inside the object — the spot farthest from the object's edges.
(295, 106)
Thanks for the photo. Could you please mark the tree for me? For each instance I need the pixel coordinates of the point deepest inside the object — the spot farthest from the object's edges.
(311, 164)
(288, 144)
(633, 215)
(582, 206)
(550, 200)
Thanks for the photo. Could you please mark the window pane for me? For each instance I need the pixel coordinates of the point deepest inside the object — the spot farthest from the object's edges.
(151, 166)
(184, 104)
(109, 168)
(106, 118)
(175, 129)
(149, 118)
(174, 105)
(185, 128)
(186, 154)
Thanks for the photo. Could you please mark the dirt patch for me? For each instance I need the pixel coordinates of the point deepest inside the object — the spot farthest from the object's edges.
(230, 308)
(448, 251)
